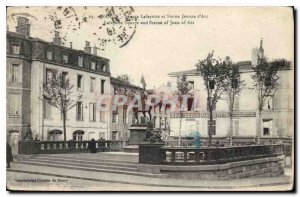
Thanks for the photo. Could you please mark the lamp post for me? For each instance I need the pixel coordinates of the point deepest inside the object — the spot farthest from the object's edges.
(211, 85)
(234, 85)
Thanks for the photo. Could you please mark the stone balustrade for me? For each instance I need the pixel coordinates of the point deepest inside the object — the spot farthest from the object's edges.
(52, 147)
(217, 155)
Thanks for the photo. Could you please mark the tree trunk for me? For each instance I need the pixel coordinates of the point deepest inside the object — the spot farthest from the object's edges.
(231, 119)
(210, 126)
(231, 129)
(259, 126)
(64, 128)
(180, 122)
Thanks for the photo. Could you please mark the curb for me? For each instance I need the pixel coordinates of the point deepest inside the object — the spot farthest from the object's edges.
(155, 185)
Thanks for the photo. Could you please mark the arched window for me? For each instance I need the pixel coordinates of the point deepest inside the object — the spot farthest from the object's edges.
(78, 135)
(55, 135)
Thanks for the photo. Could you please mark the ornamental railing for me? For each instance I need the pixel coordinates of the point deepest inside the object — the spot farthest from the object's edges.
(217, 155)
(52, 147)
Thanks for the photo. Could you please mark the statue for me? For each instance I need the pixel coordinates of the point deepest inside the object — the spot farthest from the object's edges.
(28, 135)
(152, 135)
(144, 111)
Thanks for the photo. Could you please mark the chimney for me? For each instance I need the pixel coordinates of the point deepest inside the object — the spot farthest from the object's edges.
(23, 26)
(254, 56)
(57, 38)
(71, 46)
(95, 50)
(87, 47)
(261, 49)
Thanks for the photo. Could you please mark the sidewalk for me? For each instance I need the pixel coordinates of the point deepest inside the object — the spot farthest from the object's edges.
(283, 182)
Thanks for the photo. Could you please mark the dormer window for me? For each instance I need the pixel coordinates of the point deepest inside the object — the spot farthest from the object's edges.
(15, 48)
(80, 61)
(93, 65)
(65, 59)
(49, 55)
(103, 67)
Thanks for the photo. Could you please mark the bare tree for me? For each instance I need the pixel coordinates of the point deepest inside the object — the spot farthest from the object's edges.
(266, 84)
(232, 88)
(57, 91)
(183, 89)
(125, 78)
(214, 72)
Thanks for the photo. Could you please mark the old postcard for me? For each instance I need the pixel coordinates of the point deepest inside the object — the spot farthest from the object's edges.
(150, 98)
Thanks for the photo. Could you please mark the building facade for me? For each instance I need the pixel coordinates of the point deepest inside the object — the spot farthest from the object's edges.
(277, 116)
(18, 84)
(121, 116)
(29, 63)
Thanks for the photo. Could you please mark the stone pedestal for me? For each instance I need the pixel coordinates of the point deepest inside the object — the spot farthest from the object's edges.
(137, 134)
(150, 153)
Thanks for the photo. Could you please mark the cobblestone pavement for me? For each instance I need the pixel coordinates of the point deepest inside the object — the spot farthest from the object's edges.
(47, 178)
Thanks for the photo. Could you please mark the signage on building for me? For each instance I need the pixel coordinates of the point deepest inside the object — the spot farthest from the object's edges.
(215, 114)
(185, 115)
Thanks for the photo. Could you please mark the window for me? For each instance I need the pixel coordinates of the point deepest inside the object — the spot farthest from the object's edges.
(65, 59)
(236, 127)
(101, 135)
(64, 77)
(80, 61)
(14, 104)
(92, 111)
(102, 86)
(93, 65)
(114, 135)
(213, 127)
(102, 116)
(49, 75)
(79, 114)
(115, 116)
(191, 83)
(103, 67)
(190, 104)
(15, 48)
(267, 127)
(79, 82)
(77, 135)
(56, 136)
(15, 73)
(236, 103)
(47, 110)
(50, 55)
(92, 84)
(269, 103)
(125, 114)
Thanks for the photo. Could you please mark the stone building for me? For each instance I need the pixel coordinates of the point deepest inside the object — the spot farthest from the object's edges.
(278, 114)
(18, 81)
(29, 61)
(122, 118)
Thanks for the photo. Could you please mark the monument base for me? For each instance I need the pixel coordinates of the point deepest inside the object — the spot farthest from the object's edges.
(131, 149)
(137, 134)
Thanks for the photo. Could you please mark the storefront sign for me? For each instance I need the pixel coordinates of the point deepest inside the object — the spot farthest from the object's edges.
(215, 114)
(185, 115)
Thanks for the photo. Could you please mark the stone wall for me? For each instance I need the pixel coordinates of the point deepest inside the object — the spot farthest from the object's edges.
(265, 167)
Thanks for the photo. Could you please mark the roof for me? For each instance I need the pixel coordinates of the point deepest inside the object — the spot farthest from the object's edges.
(243, 66)
(187, 72)
(116, 81)
(50, 43)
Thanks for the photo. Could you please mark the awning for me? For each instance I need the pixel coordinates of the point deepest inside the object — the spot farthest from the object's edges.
(78, 132)
(55, 131)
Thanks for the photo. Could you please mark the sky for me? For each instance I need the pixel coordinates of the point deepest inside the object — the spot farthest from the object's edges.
(154, 50)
